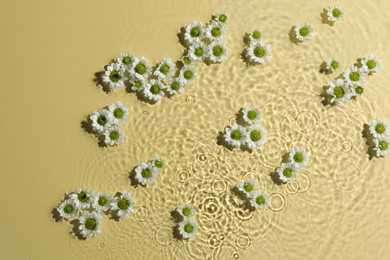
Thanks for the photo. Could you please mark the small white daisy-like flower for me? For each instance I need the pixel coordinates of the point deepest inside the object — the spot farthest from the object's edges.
(101, 120)
(102, 202)
(165, 69)
(251, 114)
(158, 163)
(333, 64)
(256, 35)
(137, 84)
(187, 75)
(371, 63)
(186, 60)
(298, 157)
(175, 86)
(235, 135)
(123, 205)
(141, 69)
(126, 60)
(259, 200)
(357, 91)
(82, 198)
(287, 172)
(113, 135)
(188, 228)
(215, 31)
(247, 187)
(197, 51)
(119, 112)
(186, 210)
(217, 52)
(145, 173)
(221, 17)
(379, 128)
(68, 209)
(354, 76)
(335, 13)
(154, 90)
(255, 136)
(258, 52)
(338, 91)
(382, 146)
(114, 76)
(304, 32)
(194, 32)
(90, 224)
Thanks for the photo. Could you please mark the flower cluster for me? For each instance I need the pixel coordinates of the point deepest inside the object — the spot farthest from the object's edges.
(253, 136)
(188, 227)
(304, 32)
(145, 173)
(257, 199)
(89, 206)
(257, 50)
(106, 122)
(380, 133)
(335, 13)
(343, 89)
(298, 159)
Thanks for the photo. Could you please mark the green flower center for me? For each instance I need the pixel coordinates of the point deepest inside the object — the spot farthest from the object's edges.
(359, 90)
(195, 32)
(255, 135)
(101, 120)
(380, 128)
(188, 74)
(164, 69)
(354, 76)
(216, 31)
(334, 64)
(252, 114)
(304, 31)
(189, 228)
(217, 51)
(115, 76)
(260, 200)
(222, 18)
(186, 212)
(187, 60)
(146, 173)
(198, 51)
(123, 204)
(336, 12)
(256, 35)
(383, 145)
(259, 52)
(90, 224)
(102, 201)
(175, 85)
(158, 163)
(287, 173)
(248, 187)
(126, 60)
(236, 135)
(68, 209)
(371, 64)
(137, 84)
(114, 135)
(339, 92)
(155, 89)
(118, 113)
(83, 196)
(140, 68)
(298, 157)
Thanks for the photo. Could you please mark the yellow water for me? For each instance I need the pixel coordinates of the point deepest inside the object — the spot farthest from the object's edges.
(50, 51)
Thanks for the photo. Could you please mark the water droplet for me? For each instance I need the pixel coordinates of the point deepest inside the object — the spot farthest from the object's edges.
(190, 99)
(102, 245)
(221, 237)
(236, 256)
(145, 112)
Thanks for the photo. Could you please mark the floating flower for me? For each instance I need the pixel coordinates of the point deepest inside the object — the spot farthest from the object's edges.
(123, 205)
(333, 65)
(165, 69)
(197, 51)
(251, 115)
(382, 146)
(371, 64)
(258, 52)
(255, 136)
(256, 35)
(217, 52)
(221, 17)
(380, 128)
(354, 76)
(101, 120)
(113, 135)
(298, 157)
(119, 112)
(137, 84)
(114, 76)
(287, 172)
(335, 13)
(259, 200)
(235, 135)
(187, 75)
(357, 91)
(194, 32)
(215, 31)
(68, 209)
(90, 224)
(186, 210)
(154, 90)
(188, 228)
(175, 86)
(304, 32)
(158, 163)
(247, 187)
(82, 198)
(339, 92)
(186, 60)
(145, 173)
(141, 69)
(102, 202)
(126, 60)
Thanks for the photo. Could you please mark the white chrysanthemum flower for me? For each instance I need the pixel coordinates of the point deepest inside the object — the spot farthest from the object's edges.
(113, 135)
(304, 32)
(186, 210)
(235, 135)
(258, 52)
(379, 128)
(221, 17)
(251, 115)
(145, 173)
(371, 63)
(197, 51)
(101, 120)
(287, 172)
(188, 228)
(158, 163)
(154, 90)
(186, 60)
(175, 86)
(215, 31)
(382, 146)
(102, 202)
(68, 209)
(339, 92)
(141, 69)
(114, 76)
(354, 76)
(256, 35)
(259, 200)
(194, 32)
(126, 60)
(82, 198)
(333, 64)
(123, 205)
(247, 187)
(335, 13)
(137, 84)
(298, 157)
(357, 91)
(217, 52)
(119, 112)
(255, 136)
(187, 75)
(165, 69)
(90, 224)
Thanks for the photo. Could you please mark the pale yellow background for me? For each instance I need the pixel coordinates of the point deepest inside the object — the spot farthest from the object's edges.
(49, 52)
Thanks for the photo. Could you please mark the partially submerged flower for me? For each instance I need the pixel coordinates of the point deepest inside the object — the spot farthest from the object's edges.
(333, 64)
(186, 210)
(335, 13)
(380, 128)
(113, 135)
(101, 120)
(304, 32)
(188, 228)
(251, 114)
(357, 91)
(82, 198)
(165, 69)
(235, 135)
(102, 202)
(154, 90)
(258, 52)
(217, 52)
(215, 31)
(287, 172)
(354, 76)
(371, 64)
(382, 146)
(339, 92)
(298, 157)
(248, 187)
(194, 32)
(259, 200)
(68, 209)
(175, 86)
(123, 205)
(126, 60)
(221, 17)
(145, 173)
(90, 224)
(197, 51)
(186, 60)
(256, 35)
(158, 163)
(141, 69)
(255, 136)
(119, 112)
(187, 75)
(137, 84)
(114, 76)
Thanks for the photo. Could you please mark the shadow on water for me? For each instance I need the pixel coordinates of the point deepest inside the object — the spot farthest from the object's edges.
(56, 215)
(324, 17)
(222, 142)
(323, 69)
(176, 233)
(292, 36)
(99, 81)
(325, 99)
(275, 178)
(133, 180)
(181, 37)
(76, 229)
(369, 141)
